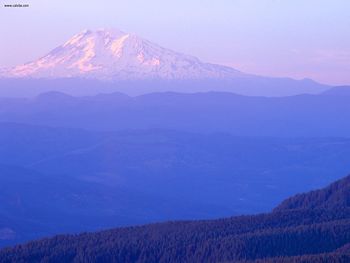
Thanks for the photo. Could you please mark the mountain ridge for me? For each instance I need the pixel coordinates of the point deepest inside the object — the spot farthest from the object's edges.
(298, 235)
(335, 195)
(199, 112)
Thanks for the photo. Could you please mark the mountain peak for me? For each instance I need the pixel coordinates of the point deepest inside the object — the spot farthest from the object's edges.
(101, 33)
(111, 54)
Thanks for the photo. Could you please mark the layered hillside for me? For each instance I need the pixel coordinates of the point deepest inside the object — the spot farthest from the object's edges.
(295, 116)
(302, 233)
(61, 180)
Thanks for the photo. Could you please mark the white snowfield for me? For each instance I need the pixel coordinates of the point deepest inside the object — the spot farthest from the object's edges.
(115, 55)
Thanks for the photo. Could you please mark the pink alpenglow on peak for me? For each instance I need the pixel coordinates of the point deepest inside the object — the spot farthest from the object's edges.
(107, 54)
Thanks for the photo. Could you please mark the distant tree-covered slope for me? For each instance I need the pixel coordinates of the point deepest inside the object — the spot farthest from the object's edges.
(303, 233)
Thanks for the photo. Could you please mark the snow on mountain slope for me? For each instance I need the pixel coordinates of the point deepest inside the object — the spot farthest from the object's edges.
(115, 55)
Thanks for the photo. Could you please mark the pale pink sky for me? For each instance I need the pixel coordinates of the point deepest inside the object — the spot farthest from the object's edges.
(299, 39)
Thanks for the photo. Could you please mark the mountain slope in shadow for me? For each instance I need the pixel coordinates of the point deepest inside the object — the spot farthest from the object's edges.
(60, 180)
(308, 231)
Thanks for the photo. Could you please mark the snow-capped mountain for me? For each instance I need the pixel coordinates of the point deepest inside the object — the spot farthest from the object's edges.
(115, 55)
(107, 61)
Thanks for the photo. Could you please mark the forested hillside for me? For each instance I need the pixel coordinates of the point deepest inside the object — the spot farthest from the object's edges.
(62, 180)
(307, 231)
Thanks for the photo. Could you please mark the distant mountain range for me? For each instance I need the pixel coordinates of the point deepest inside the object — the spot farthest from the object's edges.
(312, 227)
(119, 61)
(303, 115)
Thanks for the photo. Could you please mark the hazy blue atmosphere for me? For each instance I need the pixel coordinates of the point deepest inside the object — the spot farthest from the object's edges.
(299, 39)
(175, 131)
